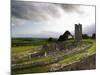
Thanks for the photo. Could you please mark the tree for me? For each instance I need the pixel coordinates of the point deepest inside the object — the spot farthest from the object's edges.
(85, 36)
(93, 35)
(50, 39)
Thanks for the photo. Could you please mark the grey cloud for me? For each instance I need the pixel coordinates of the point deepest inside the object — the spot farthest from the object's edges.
(38, 11)
(31, 10)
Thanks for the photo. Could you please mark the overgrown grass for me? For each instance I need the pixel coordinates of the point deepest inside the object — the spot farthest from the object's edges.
(36, 59)
(34, 70)
(66, 60)
(79, 55)
(22, 48)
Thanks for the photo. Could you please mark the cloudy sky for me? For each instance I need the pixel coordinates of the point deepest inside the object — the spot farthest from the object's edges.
(36, 19)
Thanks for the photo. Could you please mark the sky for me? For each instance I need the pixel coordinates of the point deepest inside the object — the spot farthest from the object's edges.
(38, 19)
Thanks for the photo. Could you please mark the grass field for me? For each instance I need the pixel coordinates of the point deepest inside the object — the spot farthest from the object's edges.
(66, 60)
(25, 44)
(27, 41)
(22, 48)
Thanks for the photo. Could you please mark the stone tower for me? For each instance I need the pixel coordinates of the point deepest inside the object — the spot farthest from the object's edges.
(78, 32)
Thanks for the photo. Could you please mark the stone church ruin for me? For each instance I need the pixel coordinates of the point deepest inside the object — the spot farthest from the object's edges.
(60, 45)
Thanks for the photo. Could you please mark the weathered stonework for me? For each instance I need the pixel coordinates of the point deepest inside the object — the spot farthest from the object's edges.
(78, 33)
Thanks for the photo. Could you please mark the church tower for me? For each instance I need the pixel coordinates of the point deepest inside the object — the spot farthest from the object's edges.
(78, 32)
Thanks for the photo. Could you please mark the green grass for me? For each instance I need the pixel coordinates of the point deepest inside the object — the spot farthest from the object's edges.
(88, 51)
(22, 48)
(27, 41)
(34, 70)
(36, 59)
(42, 59)
(66, 60)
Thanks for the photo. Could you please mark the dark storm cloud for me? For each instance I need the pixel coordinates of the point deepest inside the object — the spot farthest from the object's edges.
(38, 11)
(30, 10)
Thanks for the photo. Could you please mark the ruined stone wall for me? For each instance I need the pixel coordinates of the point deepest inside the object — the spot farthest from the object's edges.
(85, 64)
